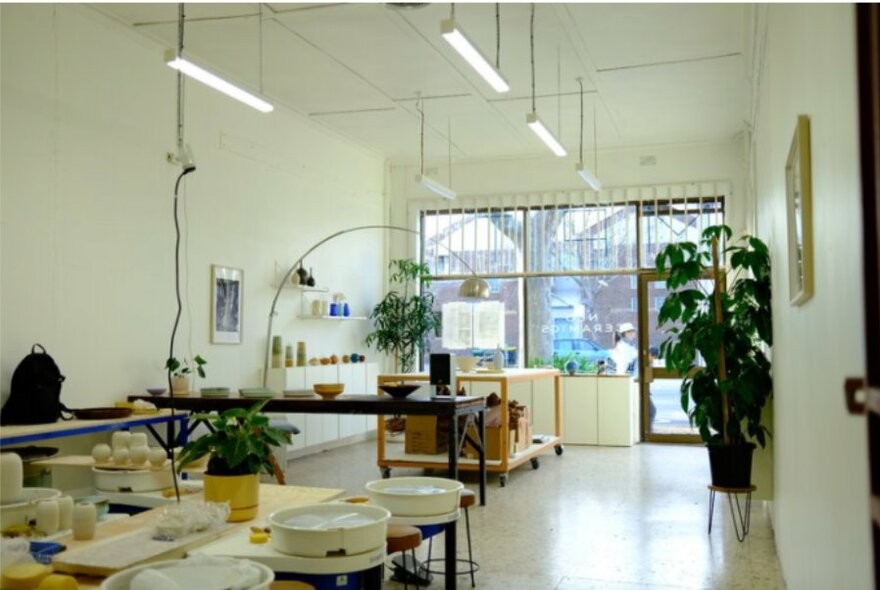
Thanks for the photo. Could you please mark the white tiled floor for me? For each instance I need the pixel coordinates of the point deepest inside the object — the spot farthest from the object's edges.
(594, 518)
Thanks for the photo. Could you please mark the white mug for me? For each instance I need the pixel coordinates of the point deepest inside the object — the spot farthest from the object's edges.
(65, 513)
(48, 517)
(85, 516)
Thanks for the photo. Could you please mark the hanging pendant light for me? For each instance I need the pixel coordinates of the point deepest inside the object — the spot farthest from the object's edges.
(453, 34)
(422, 178)
(532, 120)
(582, 170)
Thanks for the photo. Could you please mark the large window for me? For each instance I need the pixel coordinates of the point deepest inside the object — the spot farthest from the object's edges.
(562, 276)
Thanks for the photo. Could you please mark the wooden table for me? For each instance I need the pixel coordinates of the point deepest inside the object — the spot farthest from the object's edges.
(272, 497)
(441, 406)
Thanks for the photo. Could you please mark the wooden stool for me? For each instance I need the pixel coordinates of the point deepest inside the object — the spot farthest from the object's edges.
(400, 538)
(467, 499)
(740, 520)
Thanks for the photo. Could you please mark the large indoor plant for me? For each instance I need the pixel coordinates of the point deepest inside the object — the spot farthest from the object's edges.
(402, 321)
(240, 447)
(717, 342)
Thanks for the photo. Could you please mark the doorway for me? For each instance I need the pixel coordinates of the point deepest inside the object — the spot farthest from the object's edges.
(662, 419)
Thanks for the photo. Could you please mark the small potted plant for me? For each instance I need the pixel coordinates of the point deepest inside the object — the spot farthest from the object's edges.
(240, 448)
(182, 372)
(717, 342)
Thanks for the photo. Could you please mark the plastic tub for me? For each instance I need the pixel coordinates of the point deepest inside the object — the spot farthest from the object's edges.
(416, 496)
(317, 530)
(134, 480)
(26, 509)
(207, 574)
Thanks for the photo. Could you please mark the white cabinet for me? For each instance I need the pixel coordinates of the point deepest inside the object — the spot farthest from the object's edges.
(600, 410)
(317, 429)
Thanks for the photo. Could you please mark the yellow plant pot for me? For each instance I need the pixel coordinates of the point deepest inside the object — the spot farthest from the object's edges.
(241, 491)
(180, 385)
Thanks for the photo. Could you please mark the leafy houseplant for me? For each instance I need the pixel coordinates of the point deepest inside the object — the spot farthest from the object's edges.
(181, 371)
(728, 329)
(402, 321)
(240, 447)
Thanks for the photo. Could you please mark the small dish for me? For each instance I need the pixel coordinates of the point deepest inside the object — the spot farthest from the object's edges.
(399, 390)
(156, 390)
(101, 413)
(256, 392)
(328, 390)
(214, 391)
(298, 393)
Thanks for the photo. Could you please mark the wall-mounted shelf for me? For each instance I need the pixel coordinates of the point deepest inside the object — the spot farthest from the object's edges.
(334, 318)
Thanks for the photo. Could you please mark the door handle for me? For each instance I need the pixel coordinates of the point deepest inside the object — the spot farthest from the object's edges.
(851, 387)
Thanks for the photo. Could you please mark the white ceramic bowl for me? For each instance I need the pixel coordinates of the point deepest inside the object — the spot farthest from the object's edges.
(207, 575)
(316, 530)
(466, 364)
(416, 496)
(26, 508)
(135, 480)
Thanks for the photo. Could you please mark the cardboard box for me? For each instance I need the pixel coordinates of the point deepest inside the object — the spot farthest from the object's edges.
(426, 435)
(492, 443)
(523, 435)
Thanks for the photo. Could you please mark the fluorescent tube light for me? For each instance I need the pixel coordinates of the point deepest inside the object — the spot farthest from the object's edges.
(588, 177)
(541, 131)
(431, 184)
(205, 77)
(459, 41)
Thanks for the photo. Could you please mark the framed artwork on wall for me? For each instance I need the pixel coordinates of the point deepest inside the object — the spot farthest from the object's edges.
(798, 189)
(227, 290)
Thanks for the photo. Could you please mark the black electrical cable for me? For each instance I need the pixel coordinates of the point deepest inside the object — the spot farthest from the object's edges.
(532, 51)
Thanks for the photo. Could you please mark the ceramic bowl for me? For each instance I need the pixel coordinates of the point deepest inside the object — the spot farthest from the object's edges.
(156, 390)
(466, 364)
(399, 390)
(415, 496)
(328, 390)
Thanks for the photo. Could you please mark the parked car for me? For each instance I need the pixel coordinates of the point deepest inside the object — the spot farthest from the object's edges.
(581, 348)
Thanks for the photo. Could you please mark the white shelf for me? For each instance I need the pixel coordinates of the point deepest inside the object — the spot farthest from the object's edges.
(331, 318)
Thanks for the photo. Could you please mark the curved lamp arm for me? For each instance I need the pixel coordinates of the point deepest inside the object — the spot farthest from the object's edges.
(472, 287)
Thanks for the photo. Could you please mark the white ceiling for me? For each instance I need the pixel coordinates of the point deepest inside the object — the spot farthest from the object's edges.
(655, 73)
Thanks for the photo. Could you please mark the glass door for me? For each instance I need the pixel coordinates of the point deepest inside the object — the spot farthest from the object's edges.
(663, 420)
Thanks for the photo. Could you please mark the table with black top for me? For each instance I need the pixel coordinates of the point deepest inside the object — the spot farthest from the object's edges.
(470, 407)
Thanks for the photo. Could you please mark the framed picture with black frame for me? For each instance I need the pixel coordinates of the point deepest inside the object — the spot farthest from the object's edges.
(227, 290)
(799, 193)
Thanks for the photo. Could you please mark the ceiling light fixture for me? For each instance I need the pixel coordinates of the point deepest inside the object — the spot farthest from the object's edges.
(186, 66)
(422, 178)
(451, 31)
(532, 120)
(588, 176)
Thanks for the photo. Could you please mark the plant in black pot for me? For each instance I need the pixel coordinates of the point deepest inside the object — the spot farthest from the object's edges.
(717, 341)
(240, 447)
(402, 321)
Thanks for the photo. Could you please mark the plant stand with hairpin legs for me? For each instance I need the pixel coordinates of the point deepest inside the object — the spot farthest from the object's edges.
(740, 516)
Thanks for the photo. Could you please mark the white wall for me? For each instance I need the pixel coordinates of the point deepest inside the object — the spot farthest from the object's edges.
(88, 113)
(821, 510)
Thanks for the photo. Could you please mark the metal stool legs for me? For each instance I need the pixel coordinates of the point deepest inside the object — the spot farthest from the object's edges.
(741, 518)
(472, 566)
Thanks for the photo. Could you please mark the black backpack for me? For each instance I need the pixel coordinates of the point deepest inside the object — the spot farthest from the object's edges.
(35, 393)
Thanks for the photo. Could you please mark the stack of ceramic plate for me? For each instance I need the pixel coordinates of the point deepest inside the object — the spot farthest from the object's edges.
(298, 393)
(256, 392)
(215, 391)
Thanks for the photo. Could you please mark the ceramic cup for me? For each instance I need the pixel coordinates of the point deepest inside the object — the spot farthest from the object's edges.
(101, 453)
(137, 439)
(85, 516)
(157, 457)
(120, 456)
(120, 439)
(65, 513)
(11, 477)
(138, 454)
(48, 517)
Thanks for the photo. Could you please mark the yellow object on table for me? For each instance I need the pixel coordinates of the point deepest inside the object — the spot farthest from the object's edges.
(259, 538)
(24, 576)
(58, 582)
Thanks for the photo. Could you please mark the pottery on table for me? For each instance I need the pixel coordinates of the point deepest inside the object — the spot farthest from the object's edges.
(120, 456)
(11, 478)
(120, 439)
(138, 454)
(101, 453)
(157, 457)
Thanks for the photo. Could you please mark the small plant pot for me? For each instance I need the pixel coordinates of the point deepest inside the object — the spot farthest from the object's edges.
(731, 465)
(241, 491)
(180, 385)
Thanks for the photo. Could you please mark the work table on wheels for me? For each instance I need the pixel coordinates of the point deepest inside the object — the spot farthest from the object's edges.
(272, 497)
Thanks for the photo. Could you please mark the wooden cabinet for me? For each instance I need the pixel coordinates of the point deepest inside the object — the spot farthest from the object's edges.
(539, 389)
(319, 429)
(600, 410)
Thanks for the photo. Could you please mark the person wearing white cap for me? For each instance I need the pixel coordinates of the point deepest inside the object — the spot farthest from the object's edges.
(625, 354)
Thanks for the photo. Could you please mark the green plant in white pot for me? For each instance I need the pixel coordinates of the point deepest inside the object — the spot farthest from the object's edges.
(403, 320)
(728, 329)
(182, 373)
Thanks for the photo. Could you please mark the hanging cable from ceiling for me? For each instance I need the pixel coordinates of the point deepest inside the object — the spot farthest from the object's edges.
(591, 178)
(532, 120)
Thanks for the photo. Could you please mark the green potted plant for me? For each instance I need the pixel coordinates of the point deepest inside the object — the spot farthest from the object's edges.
(717, 342)
(182, 372)
(240, 447)
(402, 321)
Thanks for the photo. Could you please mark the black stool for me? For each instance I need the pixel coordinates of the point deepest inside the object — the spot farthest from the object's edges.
(466, 500)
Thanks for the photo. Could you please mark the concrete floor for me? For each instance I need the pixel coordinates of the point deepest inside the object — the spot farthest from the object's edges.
(594, 518)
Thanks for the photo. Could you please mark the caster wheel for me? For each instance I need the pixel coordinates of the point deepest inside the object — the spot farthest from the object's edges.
(386, 472)
(535, 463)
(559, 449)
(502, 480)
